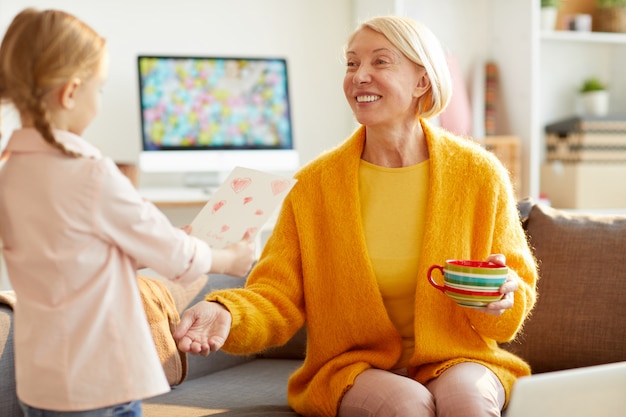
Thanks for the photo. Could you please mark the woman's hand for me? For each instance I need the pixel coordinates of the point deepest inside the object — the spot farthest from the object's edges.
(507, 289)
(203, 328)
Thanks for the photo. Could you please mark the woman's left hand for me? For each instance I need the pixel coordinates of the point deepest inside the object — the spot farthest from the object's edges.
(507, 289)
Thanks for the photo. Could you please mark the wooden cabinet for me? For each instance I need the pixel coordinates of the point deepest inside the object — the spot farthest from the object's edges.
(507, 149)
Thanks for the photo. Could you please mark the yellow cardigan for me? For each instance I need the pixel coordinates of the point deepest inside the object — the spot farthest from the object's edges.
(315, 269)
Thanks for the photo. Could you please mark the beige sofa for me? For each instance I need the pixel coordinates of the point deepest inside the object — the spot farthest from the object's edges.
(580, 320)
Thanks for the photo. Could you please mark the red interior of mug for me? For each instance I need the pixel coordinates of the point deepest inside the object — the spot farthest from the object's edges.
(473, 264)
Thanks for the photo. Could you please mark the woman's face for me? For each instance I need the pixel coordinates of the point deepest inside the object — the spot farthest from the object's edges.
(381, 84)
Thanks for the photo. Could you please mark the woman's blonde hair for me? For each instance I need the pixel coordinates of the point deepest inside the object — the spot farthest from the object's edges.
(420, 45)
(42, 50)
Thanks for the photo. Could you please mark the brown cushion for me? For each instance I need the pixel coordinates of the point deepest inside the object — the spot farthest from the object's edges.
(580, 316)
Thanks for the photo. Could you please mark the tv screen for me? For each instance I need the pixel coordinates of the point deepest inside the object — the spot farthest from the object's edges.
(221, 103)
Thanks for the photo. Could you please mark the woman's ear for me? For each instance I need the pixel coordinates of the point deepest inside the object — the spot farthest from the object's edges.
(67, 94)
(423, 85)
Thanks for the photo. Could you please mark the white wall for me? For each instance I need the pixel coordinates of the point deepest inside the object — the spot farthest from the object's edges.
(310, 33)
(303, 31)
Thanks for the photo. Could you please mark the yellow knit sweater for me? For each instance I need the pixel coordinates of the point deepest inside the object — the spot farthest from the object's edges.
(315, 269)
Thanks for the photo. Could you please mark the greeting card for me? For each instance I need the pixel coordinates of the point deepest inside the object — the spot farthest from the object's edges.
(243, 203)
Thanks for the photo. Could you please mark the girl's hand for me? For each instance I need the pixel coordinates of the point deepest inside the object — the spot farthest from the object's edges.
(235, 259)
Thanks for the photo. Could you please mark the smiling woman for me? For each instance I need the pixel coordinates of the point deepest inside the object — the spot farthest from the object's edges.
(397, 196)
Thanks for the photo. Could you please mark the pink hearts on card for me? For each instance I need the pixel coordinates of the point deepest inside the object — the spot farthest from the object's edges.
(240, 184)
(278, 186)
(218, 206)
(211, 235)
(246, 200)
(259, 212)
(225, 228)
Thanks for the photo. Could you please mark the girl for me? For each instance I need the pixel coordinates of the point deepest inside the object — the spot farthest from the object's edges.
(74, 230)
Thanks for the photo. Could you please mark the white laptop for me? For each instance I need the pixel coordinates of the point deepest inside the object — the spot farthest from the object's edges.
(594, 391)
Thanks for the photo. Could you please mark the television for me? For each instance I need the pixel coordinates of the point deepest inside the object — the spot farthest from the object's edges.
(206, 115)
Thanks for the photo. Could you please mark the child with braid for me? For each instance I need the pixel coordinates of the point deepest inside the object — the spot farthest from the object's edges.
(74, 230)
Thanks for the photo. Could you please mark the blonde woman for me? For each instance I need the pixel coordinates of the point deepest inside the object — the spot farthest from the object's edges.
(74, 229)
(351, 249)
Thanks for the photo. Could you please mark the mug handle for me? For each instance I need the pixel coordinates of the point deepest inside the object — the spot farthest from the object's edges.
(432, 281)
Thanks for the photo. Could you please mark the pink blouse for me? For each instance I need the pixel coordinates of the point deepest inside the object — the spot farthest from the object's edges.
(74, 230)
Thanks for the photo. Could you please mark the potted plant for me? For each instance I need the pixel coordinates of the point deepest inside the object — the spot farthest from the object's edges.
(595, 97)
(610, 16)
(549, 12)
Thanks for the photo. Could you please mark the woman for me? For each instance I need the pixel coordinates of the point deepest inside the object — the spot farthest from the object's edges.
(350, 253)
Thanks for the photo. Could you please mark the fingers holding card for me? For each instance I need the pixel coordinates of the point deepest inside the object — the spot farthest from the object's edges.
(241, 206)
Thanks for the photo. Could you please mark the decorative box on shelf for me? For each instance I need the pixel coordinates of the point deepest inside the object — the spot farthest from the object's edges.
(507, 149)
(610, 18)
(587, 139)
(584, 185)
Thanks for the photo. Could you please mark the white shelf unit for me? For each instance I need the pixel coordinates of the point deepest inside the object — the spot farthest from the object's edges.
(584, 37)
(545, 69)
(567, 58)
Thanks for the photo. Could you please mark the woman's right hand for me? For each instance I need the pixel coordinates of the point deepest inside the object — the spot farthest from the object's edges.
(203, 328)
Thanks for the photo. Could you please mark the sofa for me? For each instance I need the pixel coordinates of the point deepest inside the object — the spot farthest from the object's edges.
(579, 320)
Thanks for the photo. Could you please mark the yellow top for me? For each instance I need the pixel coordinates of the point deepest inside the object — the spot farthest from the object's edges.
(315, 268)
(393, 203)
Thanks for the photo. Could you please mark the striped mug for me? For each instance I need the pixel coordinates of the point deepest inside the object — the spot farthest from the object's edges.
(470, 283)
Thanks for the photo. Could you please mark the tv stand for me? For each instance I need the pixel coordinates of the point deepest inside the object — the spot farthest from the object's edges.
(177, 197)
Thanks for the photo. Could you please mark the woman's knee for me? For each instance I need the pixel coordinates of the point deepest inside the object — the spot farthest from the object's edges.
(384, 394)
(467, 389)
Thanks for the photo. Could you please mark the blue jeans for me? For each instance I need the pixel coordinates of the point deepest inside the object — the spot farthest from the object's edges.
(131, 409)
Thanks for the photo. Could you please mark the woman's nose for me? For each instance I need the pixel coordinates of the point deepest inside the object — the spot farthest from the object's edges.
(362, 75)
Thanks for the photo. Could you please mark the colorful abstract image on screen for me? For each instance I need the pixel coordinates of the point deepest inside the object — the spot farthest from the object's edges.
(222, 103)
